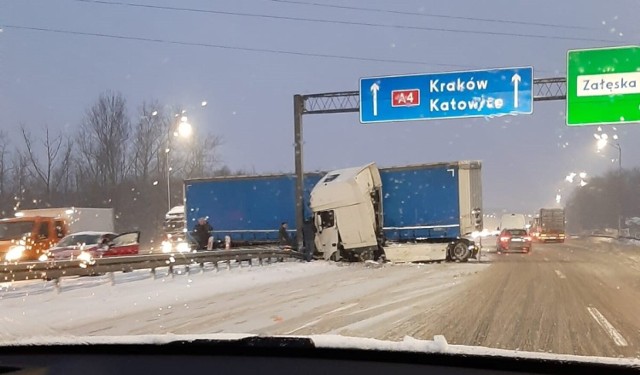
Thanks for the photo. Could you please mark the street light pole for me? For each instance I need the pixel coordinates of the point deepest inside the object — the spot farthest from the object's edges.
(184, 130)
(603, 140)
(617, 145)
(167, 150)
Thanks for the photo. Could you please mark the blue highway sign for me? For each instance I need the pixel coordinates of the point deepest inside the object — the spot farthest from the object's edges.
(478, 93)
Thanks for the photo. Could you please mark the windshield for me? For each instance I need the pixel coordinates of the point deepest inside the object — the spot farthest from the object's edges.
(435, 126)
(517, 232)
(15, 230)
(79, 239)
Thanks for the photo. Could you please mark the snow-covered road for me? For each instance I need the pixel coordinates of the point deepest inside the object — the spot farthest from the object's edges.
(285, 298)
(575, 298)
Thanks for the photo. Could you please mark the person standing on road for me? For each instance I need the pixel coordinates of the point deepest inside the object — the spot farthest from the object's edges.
(203, 233)
(283, 236)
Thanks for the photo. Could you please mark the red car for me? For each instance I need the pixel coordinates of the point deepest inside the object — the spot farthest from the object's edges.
(91, 245)
(516, 240)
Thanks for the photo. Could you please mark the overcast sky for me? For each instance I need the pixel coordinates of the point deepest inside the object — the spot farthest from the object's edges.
(52, 77)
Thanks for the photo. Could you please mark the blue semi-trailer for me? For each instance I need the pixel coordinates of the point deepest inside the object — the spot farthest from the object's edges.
(425, 202)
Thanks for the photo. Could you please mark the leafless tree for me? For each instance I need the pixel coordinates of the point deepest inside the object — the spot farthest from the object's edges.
(52, 172)
(596, 205)
(4, 163)
(201, 157)
(148, 140)
(103, 140)
(19, 177)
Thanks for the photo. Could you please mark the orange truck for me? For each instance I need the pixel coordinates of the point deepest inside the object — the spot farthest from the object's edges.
(32, 232)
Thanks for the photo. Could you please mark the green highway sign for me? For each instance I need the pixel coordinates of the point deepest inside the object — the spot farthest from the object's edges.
(603, 86)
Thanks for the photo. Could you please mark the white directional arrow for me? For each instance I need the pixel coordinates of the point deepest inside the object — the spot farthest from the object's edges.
(374, 91)
(515, 80)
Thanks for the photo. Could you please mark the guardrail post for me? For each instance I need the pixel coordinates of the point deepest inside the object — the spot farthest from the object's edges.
(201, 267)
(171, 270)
(58, 286)
(215, 264)
(229, 264)
(112, 278)
(260, 260)
(153, 273)
(186, 269)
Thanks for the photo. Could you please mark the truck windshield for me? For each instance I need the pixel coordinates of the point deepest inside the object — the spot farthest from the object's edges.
(15, 230)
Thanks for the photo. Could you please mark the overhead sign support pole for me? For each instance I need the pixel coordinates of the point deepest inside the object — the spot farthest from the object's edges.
(298, 107)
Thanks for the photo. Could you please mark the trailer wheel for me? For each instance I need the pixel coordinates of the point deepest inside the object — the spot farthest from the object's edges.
(460, 252)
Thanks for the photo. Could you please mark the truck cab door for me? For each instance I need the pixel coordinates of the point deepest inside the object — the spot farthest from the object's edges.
(326, 239)
(43, 240)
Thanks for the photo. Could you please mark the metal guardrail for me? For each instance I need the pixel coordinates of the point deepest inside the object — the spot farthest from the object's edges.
(54, 270)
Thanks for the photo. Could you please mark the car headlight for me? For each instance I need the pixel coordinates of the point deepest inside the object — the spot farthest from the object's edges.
(43, 258)
(183, 247)
(166, 247)
(15, 253)
(85, 257)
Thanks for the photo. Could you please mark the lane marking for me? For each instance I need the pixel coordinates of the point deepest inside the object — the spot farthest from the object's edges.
(314, 322)
(560, 274)
(604, 323)
(345, 307)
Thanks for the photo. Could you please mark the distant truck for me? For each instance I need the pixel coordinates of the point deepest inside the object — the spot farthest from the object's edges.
(177, 237)
(173, 224)
(437, 203)
(31, 232)
(551, 225)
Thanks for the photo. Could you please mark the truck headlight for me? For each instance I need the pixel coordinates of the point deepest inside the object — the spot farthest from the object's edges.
(183, 247)
(15, 253)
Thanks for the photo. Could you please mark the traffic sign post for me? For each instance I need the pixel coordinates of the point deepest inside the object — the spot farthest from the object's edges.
(478, 93)
(603, 86)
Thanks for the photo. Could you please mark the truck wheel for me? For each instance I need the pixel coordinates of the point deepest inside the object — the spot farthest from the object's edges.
(460, 252)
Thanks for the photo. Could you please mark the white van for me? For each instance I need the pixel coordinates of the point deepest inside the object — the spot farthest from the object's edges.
(513, 221)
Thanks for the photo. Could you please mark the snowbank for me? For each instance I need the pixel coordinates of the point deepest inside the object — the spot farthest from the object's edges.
(35, 307)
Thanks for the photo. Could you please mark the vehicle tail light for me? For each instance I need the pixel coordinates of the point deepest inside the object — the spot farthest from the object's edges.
(505, 238)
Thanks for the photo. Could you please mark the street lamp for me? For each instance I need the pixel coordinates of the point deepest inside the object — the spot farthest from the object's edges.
(602, 140)
(184, 130)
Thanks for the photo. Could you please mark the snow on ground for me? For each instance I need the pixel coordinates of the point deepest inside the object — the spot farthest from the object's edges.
(37, 306)
(286, 298)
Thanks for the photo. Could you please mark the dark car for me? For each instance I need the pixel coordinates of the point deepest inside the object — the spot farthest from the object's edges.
(513, 240)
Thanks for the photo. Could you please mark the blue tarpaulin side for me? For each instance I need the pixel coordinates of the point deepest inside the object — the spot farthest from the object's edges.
(418, 202)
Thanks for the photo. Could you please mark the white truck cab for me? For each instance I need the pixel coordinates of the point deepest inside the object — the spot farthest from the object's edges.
(347, 212)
